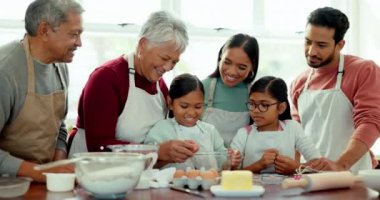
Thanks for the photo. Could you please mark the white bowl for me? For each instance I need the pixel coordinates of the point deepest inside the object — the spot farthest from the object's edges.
(14, 187)
(371, 178)
(109, 174)
(60, 182)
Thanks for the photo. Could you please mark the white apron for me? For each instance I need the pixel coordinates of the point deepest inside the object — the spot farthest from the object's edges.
(202, 138)
(140, 113)
(326, 116)
(227, 123)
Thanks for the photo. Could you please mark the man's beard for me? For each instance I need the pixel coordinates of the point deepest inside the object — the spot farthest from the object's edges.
(327, 61)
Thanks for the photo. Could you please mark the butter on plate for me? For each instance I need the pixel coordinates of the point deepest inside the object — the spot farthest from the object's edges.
(237, 180)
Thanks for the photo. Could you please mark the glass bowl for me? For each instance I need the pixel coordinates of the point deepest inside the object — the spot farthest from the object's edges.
(14, 187)
(204, 161)
(134, 148)
(109, 175)
(137, 148)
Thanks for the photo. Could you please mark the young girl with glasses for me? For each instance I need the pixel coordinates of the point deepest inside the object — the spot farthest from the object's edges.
(270, 143)
(185, 108)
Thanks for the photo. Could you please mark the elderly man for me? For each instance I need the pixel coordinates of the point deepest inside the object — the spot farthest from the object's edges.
(33, 85)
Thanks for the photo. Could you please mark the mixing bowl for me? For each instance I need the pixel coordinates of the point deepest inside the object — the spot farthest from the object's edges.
(371, 178)
(134, 148)
(137, 148)
(110, 175)
(14, 187)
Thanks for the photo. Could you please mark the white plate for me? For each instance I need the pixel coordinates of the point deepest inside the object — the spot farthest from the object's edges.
(257, 190)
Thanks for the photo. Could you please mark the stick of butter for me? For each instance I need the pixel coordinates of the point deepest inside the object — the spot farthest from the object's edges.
(237, 180)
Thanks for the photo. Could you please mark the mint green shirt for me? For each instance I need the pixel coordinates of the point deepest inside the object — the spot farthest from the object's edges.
(227, 98)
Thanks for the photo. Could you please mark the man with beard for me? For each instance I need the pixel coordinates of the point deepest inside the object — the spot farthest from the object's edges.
(337, 98)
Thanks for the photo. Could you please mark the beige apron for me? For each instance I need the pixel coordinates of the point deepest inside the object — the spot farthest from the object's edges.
(32, 136)
(326, 116)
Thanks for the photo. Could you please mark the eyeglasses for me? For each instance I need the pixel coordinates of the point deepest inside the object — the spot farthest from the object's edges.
(262, 107)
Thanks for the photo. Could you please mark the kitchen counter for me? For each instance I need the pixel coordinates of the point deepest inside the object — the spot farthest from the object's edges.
(38, 191)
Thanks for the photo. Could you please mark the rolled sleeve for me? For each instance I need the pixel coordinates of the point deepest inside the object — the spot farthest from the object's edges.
(9, 164)
(367, 133)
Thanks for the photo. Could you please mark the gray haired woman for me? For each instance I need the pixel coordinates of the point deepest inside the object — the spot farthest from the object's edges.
(126, 96)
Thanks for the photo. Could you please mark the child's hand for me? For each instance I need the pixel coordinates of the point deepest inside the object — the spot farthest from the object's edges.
(177, 151)
(268, 157)
(285, 165)
(195, 146)
(235, 157)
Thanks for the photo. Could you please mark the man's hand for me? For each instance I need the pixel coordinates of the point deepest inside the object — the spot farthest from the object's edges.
(27, 169)
(324, 164)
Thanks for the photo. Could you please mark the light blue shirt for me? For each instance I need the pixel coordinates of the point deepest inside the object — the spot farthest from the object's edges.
(204, 134)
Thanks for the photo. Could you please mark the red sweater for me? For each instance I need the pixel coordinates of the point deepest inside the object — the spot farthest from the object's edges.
(360, 84)
(103, 99)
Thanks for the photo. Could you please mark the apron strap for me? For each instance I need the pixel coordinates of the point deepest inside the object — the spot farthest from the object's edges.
(29, 60)
(211, 91)
(340, 72)
(63, 82)
(132, 71)
(307, 81)
(338, 76)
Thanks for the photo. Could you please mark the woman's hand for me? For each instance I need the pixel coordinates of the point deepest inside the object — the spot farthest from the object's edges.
(285, 165)
(176, 151)
(235, 157)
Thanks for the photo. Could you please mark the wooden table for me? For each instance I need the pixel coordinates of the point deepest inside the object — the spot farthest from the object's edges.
(38, 191)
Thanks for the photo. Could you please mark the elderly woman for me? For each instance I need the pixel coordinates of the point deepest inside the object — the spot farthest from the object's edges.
(126, 96)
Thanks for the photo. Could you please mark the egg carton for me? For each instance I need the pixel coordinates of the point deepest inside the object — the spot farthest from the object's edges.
(196, 182)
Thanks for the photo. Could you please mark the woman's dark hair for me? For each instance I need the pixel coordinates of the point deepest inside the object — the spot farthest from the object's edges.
(330, 18)
(182, 85)
(277, 88)
(251, 48)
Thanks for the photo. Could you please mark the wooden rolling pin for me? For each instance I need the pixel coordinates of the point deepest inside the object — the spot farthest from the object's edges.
(322, 181)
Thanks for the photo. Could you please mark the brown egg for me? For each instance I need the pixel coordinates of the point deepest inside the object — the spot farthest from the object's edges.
(179, 173)
(193, 173)
(215, 172)
(208, 175)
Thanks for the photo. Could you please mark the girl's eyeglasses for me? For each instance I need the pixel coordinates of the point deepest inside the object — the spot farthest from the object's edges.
(261, 107)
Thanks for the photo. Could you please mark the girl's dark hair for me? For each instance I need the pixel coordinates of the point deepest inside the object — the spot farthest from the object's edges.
(182, 85)
(277, 88)
(251, 48)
